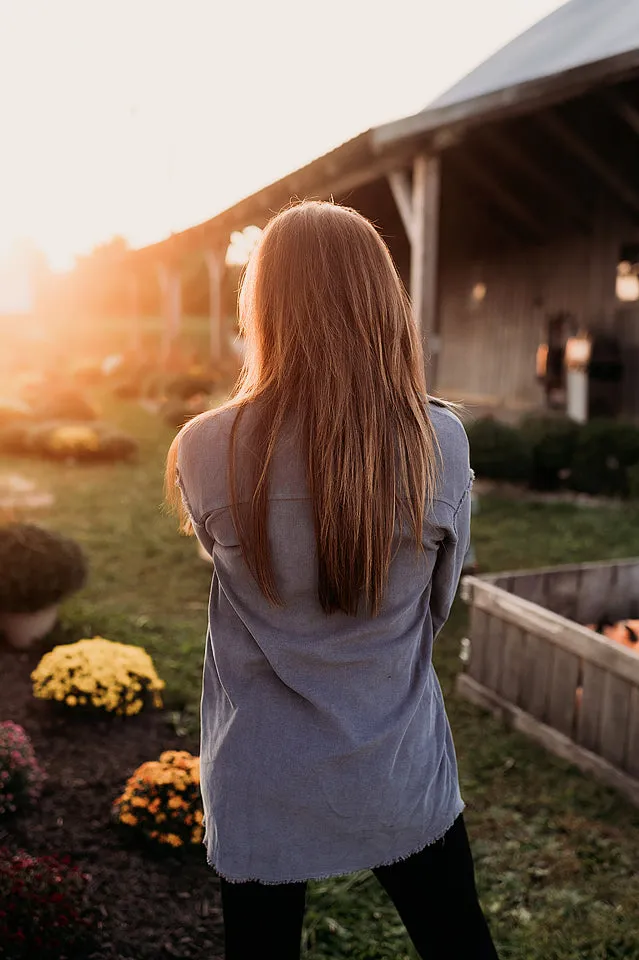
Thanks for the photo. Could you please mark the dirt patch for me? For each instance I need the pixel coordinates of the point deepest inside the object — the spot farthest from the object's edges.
(512, 491)
(151, 907)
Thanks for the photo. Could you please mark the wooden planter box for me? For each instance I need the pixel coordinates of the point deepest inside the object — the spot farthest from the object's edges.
(533, 663)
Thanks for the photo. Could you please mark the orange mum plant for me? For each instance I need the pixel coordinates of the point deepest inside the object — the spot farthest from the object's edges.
(162, 800)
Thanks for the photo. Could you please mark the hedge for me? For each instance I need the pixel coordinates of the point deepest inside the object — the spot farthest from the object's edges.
(545, 452)
(498, 451)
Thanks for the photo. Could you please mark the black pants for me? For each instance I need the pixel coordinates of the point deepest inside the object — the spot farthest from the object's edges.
(433, 891)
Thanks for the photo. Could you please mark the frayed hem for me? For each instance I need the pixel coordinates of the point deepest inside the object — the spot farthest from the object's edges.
(342, 873)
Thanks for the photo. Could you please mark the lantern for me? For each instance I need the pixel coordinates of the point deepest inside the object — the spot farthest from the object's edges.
(577, 352)
(541, 361)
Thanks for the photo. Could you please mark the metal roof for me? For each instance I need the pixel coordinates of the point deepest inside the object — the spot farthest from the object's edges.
(578, 33)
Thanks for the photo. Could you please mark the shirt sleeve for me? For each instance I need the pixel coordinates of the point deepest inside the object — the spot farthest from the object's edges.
(448, 566)
(199, 527)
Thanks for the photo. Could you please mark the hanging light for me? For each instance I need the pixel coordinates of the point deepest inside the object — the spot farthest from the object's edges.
(627, 288)
(478, 293)
(541, 361)
(577, 352)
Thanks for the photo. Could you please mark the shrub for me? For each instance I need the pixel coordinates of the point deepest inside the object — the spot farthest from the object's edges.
(43, 910)
(498, 451)
(38, 568)
(175, 413)
(552, 442)
(183, 386)
(80, 441)
(98, 674)
(162, 800)
(87, 373)
(13, 412)
(55, 403)
(21, 777)
(116, 446)
(14, 437)
(133, 379)
(632, 475)
(604, 452)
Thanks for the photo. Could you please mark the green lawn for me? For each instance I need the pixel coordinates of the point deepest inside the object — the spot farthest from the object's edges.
(557, 855)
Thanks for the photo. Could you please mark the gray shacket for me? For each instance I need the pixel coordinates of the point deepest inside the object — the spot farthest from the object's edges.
(325, 745)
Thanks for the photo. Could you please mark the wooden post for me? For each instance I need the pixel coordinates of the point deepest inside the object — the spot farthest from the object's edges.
(171, 292)
(424, 255)
(214, 257)
(133, 291)
(399, 183)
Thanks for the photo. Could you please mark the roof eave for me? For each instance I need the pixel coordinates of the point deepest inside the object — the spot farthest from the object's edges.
(334, 171)
(518, 99)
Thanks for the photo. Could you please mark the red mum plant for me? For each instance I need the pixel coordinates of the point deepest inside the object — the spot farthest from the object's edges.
(21, 777)
(43, 910)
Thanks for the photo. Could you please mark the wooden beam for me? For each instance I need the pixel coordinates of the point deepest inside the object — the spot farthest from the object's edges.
(171, 296)
(516, 157)
(626, 111)
(574, 143)
(214, 258)
(133, 295)
(425, 254)
(400, 185)
(312, 182)
(504, 197)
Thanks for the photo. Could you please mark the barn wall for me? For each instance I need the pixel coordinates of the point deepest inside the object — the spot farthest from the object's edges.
(488, 349)
(376, 202)
(487, 357)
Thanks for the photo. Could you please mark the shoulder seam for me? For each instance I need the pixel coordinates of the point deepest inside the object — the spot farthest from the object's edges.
(465, 494)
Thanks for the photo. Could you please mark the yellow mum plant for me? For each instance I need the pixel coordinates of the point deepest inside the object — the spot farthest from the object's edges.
(101, 674)
(162, 800)
(73, 438)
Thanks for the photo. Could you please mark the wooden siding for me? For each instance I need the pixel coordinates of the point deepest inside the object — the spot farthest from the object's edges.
(488, 348)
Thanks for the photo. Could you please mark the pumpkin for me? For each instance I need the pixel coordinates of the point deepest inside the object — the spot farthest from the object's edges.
(625, 632)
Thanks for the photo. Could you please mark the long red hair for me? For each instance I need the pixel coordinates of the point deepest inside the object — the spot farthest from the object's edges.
(332, 348)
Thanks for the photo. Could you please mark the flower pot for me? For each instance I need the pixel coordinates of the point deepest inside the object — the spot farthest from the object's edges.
(21, 630)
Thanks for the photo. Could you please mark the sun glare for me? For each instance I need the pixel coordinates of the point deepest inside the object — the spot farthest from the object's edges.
(125, 119)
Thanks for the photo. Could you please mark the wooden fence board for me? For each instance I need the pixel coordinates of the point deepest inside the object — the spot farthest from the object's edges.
(589, 711)
(494, 653)
(615, 710)
(625, 594)
(530, 587)
(512, 663)
(537, 666)
(478, 633)
(562, 592)
(594, 594)
(564, 678)
(632, 755)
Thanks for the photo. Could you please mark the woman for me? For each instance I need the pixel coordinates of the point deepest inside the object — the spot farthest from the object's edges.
(334, 500)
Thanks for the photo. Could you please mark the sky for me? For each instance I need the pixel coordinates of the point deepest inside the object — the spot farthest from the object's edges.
(141, 117)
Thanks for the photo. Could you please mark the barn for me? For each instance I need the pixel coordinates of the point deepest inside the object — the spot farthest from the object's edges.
(511, 207)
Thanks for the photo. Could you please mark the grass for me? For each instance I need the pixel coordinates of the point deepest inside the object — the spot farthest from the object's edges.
(557, 855)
